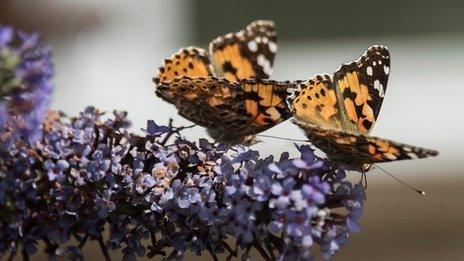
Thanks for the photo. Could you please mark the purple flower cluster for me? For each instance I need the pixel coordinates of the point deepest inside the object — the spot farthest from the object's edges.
(25, 86)
(86, 173)
(64, 178)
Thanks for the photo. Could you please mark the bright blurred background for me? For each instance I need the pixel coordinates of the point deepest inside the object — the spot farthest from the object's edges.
(106, 53)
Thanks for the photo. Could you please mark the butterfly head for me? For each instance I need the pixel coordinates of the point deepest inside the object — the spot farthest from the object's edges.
(347, 162)
(357, 166)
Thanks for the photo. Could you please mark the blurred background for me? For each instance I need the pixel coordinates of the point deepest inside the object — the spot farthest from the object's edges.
(106, 53)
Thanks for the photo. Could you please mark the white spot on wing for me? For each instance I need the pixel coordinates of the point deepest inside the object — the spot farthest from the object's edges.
(378, 86)
(265, 64)
(386, 69)
(390, 156)
(412, 155)
(253, 46)
(272, 47)
(369, 70)
(374, 63)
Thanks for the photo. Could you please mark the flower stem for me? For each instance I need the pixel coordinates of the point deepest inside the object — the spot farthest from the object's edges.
(103, 249)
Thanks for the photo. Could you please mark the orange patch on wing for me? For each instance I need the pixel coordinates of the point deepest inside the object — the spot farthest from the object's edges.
(191, 62)
(350, 110)
(327, 111)
(367, 111)
(351, 81)
(393, 150)
(251, 107)
(385, 147)
(265, 98)
(231, 53)
(271, 115)
(363, 95)
(382, 145)
(274, 114)
(248, 88)
(343, 140)
(368, 115)
(317, 104)
(268, 99)
(260, 120)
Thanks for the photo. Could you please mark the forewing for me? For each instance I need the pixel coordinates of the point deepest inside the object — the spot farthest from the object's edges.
(191, 62)
(246, 54)
(361, 88)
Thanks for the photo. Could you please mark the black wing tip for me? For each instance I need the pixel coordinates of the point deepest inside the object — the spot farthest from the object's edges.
(419, 153)
(432, 153)
(261, 25)
(378, 49)
(261, 22)
(373, 50)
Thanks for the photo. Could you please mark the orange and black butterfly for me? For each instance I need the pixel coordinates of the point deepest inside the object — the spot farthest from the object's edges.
(227, 90)
(338, 111)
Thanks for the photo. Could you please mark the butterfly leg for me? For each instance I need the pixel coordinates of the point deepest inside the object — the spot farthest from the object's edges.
(363, 180)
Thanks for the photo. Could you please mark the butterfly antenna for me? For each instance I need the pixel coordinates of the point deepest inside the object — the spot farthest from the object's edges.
(280, 138)
(400, 181)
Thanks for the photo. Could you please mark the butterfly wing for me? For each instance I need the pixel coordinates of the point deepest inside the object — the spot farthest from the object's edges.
(315, 102)
(230, 111)
(357, 150)
(361, 87)
(191, 62)
(336, 114)
(246, 54)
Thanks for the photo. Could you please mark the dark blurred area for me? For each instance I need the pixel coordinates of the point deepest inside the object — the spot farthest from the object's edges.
(106, 53)
(308, 20)
(54, 20)
(397, 225)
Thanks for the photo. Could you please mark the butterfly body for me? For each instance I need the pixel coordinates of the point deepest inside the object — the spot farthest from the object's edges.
(338, 111)
(227, 91)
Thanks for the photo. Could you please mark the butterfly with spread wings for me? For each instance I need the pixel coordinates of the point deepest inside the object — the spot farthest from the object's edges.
(227, 90)
(338, 111)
